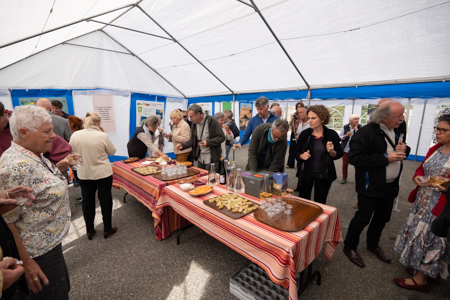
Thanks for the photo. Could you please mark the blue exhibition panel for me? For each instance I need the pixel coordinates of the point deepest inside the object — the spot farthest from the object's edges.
(29, 93)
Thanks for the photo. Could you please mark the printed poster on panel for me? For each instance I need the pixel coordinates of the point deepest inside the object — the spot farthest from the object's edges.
(145, 109)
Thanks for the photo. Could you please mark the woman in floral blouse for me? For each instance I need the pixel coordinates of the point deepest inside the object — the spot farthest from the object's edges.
(39, 230)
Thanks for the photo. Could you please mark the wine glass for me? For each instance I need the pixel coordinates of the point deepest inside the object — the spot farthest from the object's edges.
(22, 196)
(436, 178)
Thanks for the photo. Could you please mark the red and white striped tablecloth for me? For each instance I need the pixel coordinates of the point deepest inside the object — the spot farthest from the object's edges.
(281, 254)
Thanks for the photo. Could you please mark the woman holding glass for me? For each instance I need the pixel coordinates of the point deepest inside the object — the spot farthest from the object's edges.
(95, 173)
(181, 133)
(39, 229)
(422, 252)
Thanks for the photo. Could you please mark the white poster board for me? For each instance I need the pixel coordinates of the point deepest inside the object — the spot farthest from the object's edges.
(145, 109)
(5, 98)
(82, 103)
(207, 107)
(104, 105)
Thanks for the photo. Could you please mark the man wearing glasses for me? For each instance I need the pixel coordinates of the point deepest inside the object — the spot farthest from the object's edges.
(377, 154)
(185, 118)
(268, 147)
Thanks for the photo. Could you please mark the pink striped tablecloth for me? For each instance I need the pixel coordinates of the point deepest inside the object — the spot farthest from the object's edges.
(146, 189)
(281, 254)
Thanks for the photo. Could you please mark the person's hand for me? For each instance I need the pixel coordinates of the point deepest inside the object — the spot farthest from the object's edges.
(203, 144)
(170, 124)
(161, 130)
(34, 276)
(443, 186)
(355, 128)
(178, 147)
(348, 134)
(11, 271)
(330, 147)
(396, 156)
(401, 147)
(167, 158)
(305, 155)
(65, 162)
(169, 135)
(225, 125)
(7, 203)
(421, 181)
(101, 128)
(236, 146)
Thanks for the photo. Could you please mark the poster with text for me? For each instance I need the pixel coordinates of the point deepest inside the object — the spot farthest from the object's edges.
(145, 109)
(104, 105)
(245, 113)
(207, 108)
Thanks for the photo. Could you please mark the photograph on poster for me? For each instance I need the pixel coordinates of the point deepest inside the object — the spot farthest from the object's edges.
(145, 109)
(33, 101)
(207, 108)
(104, 105)
(245, 113)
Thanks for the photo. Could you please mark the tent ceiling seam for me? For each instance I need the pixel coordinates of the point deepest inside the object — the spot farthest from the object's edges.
(134, 30)
(175, 40)
(245, 3)
(102, 49)
(45, 24)
(279, 43)
(130, 8)
(145, 63)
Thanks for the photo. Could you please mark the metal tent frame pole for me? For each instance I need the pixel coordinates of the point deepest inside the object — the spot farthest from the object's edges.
(279, 43)
(132, 53)
(184, 48)
(420, 130)
(67, 25)
(129, 29)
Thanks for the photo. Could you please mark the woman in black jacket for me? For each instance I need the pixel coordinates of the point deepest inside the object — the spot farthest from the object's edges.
(316, 149)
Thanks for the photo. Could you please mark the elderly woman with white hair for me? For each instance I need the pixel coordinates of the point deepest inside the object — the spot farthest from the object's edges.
(95, 173)
(346, 135)
(143, 140)
(40, 228)
(181, 133)
(220, 117)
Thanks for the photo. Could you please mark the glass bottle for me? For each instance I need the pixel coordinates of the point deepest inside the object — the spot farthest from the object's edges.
(266, 190)
(212, 181)
(222, 173)
(230, 178)
(239, 186)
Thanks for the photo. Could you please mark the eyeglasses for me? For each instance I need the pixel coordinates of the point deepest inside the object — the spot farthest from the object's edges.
(185, 117)
(441, 130)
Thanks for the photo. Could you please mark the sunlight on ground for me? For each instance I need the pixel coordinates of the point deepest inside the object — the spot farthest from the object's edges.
(78, 228)
(193, 286)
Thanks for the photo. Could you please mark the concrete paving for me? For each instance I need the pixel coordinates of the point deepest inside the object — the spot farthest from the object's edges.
(133, 264)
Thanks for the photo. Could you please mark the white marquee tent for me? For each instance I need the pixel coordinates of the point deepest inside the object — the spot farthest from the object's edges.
(198, 48)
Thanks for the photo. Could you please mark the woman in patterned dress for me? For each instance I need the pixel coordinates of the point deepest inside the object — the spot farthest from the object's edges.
(422, 252)
(39, 229)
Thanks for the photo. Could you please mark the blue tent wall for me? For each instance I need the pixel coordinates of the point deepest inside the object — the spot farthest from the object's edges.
(16, 94)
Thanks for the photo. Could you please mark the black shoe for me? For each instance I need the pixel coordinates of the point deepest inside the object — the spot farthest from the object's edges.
(79, 201)
(380, 254)
(354, 257)
(344, 181)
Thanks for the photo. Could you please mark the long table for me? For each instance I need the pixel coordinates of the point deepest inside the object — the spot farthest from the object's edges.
(147, 189)
(281, 254)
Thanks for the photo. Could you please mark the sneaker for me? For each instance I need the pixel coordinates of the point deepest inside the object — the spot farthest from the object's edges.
(344, 181)
(78, 201)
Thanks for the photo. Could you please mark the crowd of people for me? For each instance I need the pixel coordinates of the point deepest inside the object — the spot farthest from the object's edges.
(39, 143)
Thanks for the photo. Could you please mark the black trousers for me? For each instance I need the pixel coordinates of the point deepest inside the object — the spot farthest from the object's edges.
(206, 166)
(88, 189)
(321, 189)
(292, 146)
(377, 209)
(54, 267)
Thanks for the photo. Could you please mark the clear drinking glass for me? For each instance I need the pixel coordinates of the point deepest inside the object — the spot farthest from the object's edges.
(20, 195)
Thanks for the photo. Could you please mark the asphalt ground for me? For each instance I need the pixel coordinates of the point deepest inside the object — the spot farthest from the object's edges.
(133, 264)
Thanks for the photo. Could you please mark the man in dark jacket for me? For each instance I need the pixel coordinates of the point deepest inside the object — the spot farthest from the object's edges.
(377, 156)
(268, 147)
(233, 127)
(206, 138)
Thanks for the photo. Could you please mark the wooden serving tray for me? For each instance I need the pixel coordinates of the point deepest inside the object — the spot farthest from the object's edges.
(135, 171)
(303, 213)
(190, 172)
(229, 213)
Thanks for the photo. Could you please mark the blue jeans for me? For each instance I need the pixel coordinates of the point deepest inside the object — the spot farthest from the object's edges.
(228, 148)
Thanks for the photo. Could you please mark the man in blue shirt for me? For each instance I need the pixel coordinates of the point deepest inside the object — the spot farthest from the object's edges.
(263, 116)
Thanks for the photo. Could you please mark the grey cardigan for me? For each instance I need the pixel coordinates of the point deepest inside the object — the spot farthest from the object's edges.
(274, 161)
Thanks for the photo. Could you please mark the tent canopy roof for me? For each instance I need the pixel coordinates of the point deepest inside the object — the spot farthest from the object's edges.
(199, 47)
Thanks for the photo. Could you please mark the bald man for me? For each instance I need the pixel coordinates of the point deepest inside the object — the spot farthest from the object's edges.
(277, 111)
(60, 125)
(377, 155)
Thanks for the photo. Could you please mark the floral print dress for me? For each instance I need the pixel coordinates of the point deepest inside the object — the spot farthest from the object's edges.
(419, 247)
